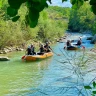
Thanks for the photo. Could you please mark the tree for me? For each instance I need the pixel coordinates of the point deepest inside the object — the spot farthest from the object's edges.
(34, 7)
(82, 20)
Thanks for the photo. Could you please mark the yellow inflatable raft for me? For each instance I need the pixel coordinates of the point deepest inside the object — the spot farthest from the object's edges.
(37, 57)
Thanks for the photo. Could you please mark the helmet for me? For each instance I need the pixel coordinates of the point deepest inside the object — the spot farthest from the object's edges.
(31, 45)
(47, 43)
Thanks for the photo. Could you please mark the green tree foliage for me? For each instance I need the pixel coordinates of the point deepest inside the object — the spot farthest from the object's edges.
(54, 27)
(51, 24)
(82, 20)
(34, 7)
(94, 27)
(91, 88)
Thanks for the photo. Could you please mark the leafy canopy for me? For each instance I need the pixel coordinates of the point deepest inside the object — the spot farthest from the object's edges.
(36, 6)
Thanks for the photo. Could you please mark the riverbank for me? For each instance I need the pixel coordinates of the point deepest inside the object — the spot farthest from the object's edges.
(24, 46)
(86, 39)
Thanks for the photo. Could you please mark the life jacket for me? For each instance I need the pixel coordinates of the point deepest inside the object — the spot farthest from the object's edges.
(41, 49)
(68, 44)
(79, 42)
(32, 49)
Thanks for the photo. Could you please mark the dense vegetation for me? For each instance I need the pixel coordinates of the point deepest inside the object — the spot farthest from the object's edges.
(51, 24)
(81, 21)
(34, 7)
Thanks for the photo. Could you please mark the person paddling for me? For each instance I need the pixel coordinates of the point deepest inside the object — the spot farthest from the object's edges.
(79, 42)
(42, 51)
(68, 44)
(31, 50)
(28, 51)
(47, 48)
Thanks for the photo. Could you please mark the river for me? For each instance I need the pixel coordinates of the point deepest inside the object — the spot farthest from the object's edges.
(62, 75)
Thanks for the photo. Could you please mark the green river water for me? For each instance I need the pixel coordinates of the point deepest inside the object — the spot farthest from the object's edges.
(17, 77)
(46, 77)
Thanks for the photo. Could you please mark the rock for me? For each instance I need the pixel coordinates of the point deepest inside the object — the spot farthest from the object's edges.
(4, 58)
(1, 52)
(93, 39)
(92, 42)
(64, 37)
(89, 38)
(5, 50)
(19, 49)
(10, 49)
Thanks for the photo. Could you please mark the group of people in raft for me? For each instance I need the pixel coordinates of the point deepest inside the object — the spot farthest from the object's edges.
(69, 45)
(46, 48)
(43, 49)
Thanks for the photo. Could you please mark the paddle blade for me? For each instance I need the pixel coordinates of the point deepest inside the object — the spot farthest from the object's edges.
(83, 47)
(23, 57)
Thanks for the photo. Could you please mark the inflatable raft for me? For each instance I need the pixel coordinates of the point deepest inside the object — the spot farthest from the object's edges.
(37, 57)
(74, 48)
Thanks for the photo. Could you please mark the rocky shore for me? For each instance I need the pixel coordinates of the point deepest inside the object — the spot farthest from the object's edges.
(7, 50)
(21, 48)
(10, 49)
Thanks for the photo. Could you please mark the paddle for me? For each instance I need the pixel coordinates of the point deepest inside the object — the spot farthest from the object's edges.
(65, 47)
(55, 53)
(24, 56)
(83, 47)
